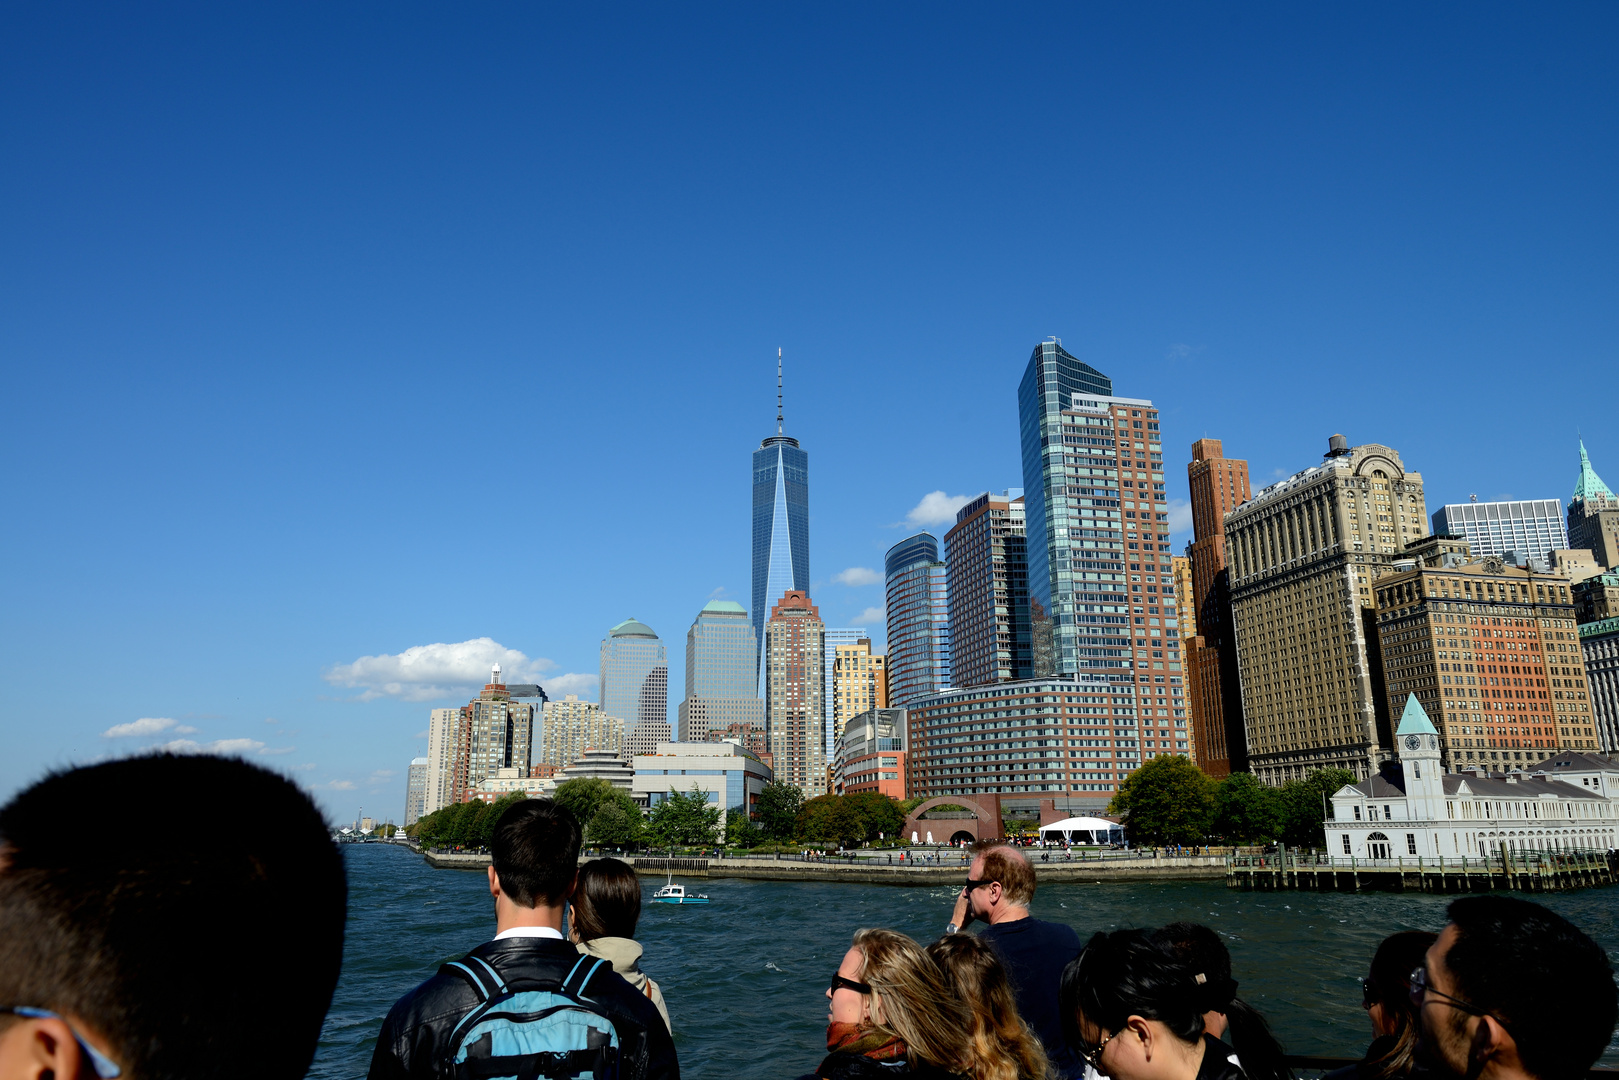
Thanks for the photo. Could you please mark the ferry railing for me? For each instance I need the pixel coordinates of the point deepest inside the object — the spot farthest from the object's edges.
(1321, 1063)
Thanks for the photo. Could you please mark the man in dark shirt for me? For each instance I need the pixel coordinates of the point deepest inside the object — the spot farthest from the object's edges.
(1000, 884)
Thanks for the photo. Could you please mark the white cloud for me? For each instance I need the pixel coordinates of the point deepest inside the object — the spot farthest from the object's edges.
(430, 672)
(1182, 351)
(146, 725)
(873, 616)
(583, 684)
(937, 508)
(341, 785)
(218, 746)
(1180, 515)
(858, 575)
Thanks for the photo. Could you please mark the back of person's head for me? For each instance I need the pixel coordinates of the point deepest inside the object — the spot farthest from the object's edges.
(535, 852)
(1008, 866)
(1550, 984)
(606, 901)
(1388, 984)
(1209, 961)
(1003, 1046)
(910, 999)
(1126, 973)
(188, 909)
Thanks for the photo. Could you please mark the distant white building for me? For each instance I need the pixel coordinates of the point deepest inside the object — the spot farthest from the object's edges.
(728, 774)
(442, 726)
(1417, 810)
(416, 791)
(507, 780)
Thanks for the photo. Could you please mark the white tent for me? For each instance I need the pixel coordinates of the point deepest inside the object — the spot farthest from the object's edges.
(1083, 830)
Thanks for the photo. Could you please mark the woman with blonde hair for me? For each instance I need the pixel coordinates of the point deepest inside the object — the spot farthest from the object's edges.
(1003, 1047)
(890, 1014)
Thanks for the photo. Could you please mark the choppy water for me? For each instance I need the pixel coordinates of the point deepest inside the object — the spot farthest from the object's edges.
(744, 976)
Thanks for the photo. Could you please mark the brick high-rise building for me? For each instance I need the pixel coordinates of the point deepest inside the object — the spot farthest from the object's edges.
(1593, 515)
(494, 733)
(858, 682)
(1218, 486)
(795, 653)
(570, 727)
(988, 574)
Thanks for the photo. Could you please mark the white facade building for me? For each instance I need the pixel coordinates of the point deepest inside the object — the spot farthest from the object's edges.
(441, 729)
(505, 781)
(1531, 527)
(728, 774)
(415, 790)
(1417, 810)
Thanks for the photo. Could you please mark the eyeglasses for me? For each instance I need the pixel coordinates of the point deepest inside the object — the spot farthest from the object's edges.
(1420, 989)
(840, 983)
(971, 884)
(1093, 1054)
(105, 1067)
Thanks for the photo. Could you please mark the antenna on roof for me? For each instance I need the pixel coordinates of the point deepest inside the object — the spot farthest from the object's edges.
(778, 391)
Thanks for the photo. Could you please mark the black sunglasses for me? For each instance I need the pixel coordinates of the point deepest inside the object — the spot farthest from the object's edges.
(1420, 989)
(840, 983)
(971, 884)
(1368, 993)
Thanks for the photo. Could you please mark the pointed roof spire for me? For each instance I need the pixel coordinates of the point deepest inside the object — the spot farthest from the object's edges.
(1589, 484)
(1414, 721)
(778, 394)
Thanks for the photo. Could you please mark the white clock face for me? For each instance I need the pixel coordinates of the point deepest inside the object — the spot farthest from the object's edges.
(1412, 742)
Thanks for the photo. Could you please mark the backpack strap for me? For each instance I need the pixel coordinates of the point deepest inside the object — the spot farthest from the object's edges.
(475, 970)
(579, 978)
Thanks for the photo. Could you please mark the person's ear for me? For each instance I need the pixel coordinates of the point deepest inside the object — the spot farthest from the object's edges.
(41, 1049)
(1141, 1031)
(494, 883)
(1492, 1041)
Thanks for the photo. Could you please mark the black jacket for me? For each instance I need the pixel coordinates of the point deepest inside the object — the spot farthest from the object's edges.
(1219, 1061)
(841, 1065)
(414, 1041)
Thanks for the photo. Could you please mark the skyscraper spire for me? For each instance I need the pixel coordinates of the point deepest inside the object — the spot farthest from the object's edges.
(778, 391)
(1589, 485)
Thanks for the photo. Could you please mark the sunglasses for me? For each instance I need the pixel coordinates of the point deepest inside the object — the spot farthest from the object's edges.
(971, 884)
(1368, 993)
(840, 983)
(1420, 989)
(105, 1067)
(1093, 1054)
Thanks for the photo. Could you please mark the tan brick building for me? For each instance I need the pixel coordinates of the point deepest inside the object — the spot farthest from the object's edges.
(859, 682)
(1218, 486)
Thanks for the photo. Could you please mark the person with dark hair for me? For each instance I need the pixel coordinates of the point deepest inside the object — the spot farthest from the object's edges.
(1000, 885)
(1134, 1011)
(1512, 991)
(1385, 994)
(601, 922)
(1225, 1015)
(526, 1003)
(1002, 1045)
(111, 932)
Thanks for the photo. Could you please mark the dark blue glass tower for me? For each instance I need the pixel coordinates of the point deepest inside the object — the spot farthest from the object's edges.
(780, 523)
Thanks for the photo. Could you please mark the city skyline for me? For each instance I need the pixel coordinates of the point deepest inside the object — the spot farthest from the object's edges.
(282, 286)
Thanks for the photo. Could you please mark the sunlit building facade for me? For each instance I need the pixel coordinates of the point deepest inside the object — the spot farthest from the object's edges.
(918, 617)
(795, 652)
(721, 673)
(635, 685)
(570, 727)
(988, 583)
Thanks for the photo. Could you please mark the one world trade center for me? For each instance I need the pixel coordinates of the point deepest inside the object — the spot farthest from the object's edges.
(780, 524)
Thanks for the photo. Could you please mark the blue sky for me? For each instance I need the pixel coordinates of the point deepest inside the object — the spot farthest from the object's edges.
(328, 333)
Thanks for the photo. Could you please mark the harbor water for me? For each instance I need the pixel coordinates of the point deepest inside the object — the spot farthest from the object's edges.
(744, 977)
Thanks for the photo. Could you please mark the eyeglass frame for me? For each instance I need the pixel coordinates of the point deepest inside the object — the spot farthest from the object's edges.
(1093, 1058)
(105, 1067)
(979, 884)
(1421, 988)
(840, 983)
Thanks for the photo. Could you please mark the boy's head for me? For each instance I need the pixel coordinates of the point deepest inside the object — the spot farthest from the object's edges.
(535, 852)
(606, 902)
(183, 914)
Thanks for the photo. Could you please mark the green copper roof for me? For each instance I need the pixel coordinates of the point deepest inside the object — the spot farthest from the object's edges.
(725, 607)
(631, 628)
(1589, 483)
(1414, 721)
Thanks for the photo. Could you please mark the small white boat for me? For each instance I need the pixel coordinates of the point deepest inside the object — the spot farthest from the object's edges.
(677, 894)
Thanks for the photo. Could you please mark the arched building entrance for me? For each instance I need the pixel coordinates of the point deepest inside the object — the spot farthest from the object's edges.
(983, 824)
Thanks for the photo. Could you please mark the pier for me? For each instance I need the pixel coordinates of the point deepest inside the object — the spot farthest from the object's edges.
(1511, 871)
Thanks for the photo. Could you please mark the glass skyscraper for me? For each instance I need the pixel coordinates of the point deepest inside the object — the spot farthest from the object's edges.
(721, 654)
(918, 620)
(635, 685)
(780, 528)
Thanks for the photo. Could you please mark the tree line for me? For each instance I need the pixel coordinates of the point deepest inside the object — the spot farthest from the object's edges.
(1169, 800)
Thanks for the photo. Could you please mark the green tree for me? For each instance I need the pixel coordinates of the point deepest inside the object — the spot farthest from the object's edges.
(832, 819)
(880, 814)
(1245, 810)
(685, 819)
(617, 823)
(777, 810)
(740, 831)
(583, 796)
(1166, 801)
(1304, 806)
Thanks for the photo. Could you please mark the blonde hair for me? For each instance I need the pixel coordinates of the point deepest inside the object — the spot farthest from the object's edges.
(911, 1001)
(1003, 1047)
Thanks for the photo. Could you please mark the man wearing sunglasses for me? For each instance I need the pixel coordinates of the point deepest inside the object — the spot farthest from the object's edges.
(1512, 991)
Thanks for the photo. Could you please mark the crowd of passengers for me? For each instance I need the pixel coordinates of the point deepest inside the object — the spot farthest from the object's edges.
(130, 954)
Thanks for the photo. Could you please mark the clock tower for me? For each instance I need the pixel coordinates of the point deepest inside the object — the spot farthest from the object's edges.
(1418, 743)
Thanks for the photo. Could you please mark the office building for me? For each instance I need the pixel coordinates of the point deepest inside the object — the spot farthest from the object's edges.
(780, 524)
(837, 638)
(570, 727)
(871, 754)
(722, 656)
(506, 781)
(859, 682)
(1304, 556)
(729, 776)
(442, 728)
(918, 616)
(1599, 646)
(1491, 651)
(635, 685)
(988, 585)
(795, 652)
(1593, 515)
(1185, 618)
(1218, 486)
(416, 791)
(1596, 597)
(1532, 527)
(494, 732)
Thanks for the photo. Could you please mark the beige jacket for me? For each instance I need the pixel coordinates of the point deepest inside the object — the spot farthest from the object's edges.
(625, 956)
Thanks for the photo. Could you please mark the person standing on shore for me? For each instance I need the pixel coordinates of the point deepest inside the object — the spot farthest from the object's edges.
(1000, 885)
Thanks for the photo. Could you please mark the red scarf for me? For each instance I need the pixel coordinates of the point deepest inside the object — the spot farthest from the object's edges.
(855, 1039)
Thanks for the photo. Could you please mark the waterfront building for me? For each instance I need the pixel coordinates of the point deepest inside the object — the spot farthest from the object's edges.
(988, 587)
(837, 639)
(729, 776)
(505, 781)
(859, 682)
(1599, 646)
(1593, 515)
(1596, 597)
(494, 733)
(416, 791)
(1305, 554)
(795, 652)
(1218, 486)
(1531, 527)
(780, 524)
(600, 765)
(1413, 808)
(871, 754)
(570, 727)
(722, 656)
(918, 617)
(635, 685)
(442, 728)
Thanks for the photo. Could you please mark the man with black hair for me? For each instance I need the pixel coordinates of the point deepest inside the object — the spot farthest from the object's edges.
(150, 930)
(482, 1016)
(1512, 991)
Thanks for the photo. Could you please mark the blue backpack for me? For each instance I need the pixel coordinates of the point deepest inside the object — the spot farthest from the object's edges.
(534, 1030)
